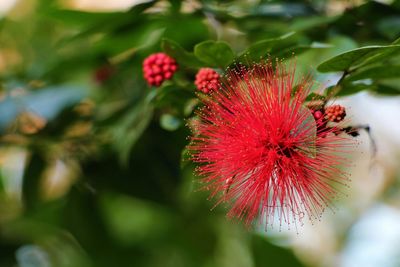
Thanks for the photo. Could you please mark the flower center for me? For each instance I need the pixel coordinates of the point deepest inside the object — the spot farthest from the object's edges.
(284, 150)
(281, 148)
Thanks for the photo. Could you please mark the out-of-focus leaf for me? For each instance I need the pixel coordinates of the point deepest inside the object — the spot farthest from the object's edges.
(387, 90)
(80, 18)
(308, 23)
(170, 122)
(376, 73)
(266, 254)
(264, 47)
(181, 55)
(192, 29)
(130, 128)
(314, 96)
(243, 9)
(350, 88)
(110, 21)
(172, 96)
(351, 59)
(31, 180)
(388, 86)
(214, 54)
(190, 105)
(146, 35)
(132, 220)
(185, 157)
(297, 50)
(390, 26)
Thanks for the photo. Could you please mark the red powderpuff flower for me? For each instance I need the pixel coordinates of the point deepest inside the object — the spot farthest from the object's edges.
(158, 67)
(207, 80)
(259, 148)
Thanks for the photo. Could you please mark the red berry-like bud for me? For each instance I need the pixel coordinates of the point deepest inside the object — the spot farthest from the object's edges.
(318, 115)
(207, 80)
(335, 113)
(158, 67)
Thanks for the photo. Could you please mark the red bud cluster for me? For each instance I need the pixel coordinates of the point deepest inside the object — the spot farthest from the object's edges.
(335, 113)
(158, 67)
(207, 80)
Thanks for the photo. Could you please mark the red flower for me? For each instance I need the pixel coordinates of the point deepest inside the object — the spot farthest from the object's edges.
(158, 67)
(259, 148)
(207, 80)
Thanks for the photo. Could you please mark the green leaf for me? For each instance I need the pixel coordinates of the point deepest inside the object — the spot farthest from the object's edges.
(102, 23)
(144, 36)
(390, 26)
(315, 97)
(31, 180)
(170, 122)
(387, 90)
(180, 54)
(354, 58)
(130, 128)
(173, 98)
(150, 220)
(267, 254)
(262, 48)
(214, 54)
(185, 158)
(376, 73)
(297, 50)
(311, 22)
(190, 105)
(81, 18)
(388, 86)
(350, 88)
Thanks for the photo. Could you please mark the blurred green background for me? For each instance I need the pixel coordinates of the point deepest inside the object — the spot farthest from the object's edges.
(93, 167)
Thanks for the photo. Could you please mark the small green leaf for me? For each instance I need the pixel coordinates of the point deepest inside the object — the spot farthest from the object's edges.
(170, 122)
(190, 105)
(354, 58)
(185, 157)
(180, 54)
(214, 54)
(376, 73)
(315, 97)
